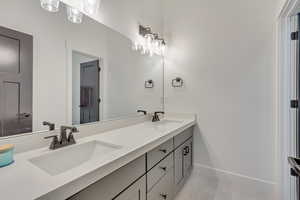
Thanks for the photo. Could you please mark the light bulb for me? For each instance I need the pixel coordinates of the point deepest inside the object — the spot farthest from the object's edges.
(163, 49)
(74, 15)
(150, 53)
(148, 40)
(156, 44)
(50, 5)
(143, 51)
(91, 6)
(135, 46)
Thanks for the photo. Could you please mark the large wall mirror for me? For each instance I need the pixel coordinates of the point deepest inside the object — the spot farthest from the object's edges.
(69, 74)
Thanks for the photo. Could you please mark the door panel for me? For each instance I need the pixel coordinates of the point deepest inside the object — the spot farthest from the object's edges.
(16, 63)
(178, 165)
(9, 54)
(89, 92)
(11, 107)
(187, 157)
(135, 192)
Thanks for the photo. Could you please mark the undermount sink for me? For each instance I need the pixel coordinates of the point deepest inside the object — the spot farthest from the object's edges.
(167, 122)
(67, 158)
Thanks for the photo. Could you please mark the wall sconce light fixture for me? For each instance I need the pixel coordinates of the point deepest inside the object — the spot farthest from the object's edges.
(91, 7)
(50, 5)
(75, 15)
(150, 43)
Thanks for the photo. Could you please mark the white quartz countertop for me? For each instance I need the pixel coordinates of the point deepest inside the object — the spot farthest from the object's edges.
(23, 180)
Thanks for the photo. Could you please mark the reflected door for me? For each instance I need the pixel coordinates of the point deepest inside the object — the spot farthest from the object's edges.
(16, 60)
(89, 92)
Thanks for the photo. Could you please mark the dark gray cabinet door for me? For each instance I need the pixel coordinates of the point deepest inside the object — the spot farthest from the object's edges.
(89, 92)
(16, 63)
(187, 156)
(137, 191)
(183, 160)
(178, 165)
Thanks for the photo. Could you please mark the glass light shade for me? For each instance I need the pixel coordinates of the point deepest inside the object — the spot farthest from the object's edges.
(50, 5)
(91, 6)
(74, 15)
(135, 46)
(163, 49)
(143, 51)
(149, 40)
(151, 52)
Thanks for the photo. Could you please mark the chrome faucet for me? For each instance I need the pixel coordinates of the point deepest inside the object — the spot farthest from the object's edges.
(64, 140)
(155, 117)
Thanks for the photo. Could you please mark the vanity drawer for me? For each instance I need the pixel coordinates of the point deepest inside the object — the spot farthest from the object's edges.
(157, 154)
(159, 171)
(164, 189)
(182, 137)
(111, 185)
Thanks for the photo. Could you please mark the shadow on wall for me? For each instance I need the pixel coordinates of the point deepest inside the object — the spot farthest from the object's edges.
(205, 181)
(209, 184)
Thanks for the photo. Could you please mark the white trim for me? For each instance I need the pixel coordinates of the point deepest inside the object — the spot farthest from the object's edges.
(235, 174)
(69, 51)
(285, 148)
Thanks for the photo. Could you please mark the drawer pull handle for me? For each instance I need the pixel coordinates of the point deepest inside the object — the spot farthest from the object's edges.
(163, 150)
(186, 151)
(163, 168)
(164, 196)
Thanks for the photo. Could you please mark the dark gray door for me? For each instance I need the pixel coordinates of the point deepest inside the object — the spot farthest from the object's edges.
(16, 60)
(89, 92)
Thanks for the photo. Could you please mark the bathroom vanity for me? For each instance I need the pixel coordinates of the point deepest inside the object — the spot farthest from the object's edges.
(158, 174)
(145, 160)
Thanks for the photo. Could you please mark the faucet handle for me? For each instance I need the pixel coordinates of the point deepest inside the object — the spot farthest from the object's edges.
(74, 130)
(71, 139)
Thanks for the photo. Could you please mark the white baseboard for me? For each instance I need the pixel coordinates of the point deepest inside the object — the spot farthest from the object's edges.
(233, 174)
(222, 184)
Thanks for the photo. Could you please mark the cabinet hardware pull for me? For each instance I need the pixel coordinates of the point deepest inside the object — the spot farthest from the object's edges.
(164, 196)
(163, 168)
(185, 151)
(163, 150)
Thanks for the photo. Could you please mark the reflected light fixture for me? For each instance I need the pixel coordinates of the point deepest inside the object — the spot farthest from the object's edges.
(74, 15)
(149, 43)
(91, 7)
(50, 5)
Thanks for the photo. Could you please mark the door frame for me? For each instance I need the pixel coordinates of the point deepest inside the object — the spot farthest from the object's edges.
(98, 86)
(70, 48)
(284, 125)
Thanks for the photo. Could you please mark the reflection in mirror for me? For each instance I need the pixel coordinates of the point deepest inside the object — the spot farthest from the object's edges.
(16, 64)
(85, 88)
(49, 71)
